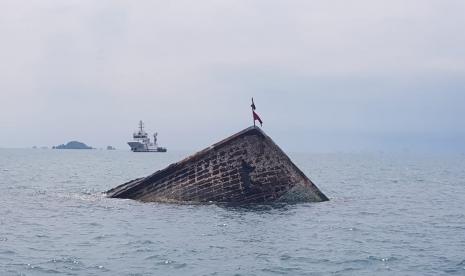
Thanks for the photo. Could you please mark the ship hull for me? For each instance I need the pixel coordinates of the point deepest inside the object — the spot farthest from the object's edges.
(247, 167)
(140, 147)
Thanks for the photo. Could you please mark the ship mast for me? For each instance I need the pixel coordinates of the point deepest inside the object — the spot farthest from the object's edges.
(141, 126)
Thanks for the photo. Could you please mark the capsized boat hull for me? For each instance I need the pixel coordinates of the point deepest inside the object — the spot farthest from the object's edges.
(247, 167)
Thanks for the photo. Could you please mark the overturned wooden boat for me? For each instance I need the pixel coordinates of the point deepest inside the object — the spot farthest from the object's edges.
(247, 167)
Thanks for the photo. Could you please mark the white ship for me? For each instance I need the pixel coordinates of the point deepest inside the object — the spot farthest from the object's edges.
(142, 141)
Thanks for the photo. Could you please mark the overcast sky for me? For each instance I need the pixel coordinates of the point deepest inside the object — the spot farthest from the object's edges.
(330, 75)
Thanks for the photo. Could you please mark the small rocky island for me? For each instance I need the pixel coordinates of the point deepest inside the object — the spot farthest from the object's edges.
(73, 145)
(247, 167)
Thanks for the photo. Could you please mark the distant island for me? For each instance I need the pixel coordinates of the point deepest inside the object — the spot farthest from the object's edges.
(73, 145)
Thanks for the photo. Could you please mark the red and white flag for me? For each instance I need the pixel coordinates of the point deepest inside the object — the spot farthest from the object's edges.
(255, 115)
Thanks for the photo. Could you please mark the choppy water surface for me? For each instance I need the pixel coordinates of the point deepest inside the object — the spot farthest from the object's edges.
(388, 215)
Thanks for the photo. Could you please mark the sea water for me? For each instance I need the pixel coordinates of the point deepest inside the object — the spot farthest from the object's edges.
(387, 215)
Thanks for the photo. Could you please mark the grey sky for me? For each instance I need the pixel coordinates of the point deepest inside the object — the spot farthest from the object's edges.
(326, 75)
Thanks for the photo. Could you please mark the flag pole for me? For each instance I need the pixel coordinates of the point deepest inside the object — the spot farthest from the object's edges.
(253, 118)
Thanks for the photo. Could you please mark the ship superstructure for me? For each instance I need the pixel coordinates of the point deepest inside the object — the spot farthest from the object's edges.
(141, 141)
